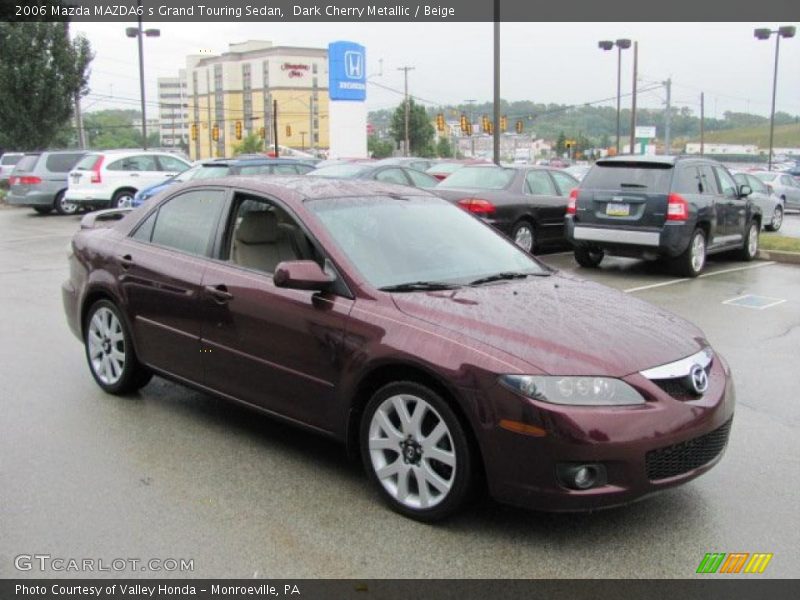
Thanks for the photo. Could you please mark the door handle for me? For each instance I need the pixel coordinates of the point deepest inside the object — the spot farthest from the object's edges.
(133, 174)
(219, 293)
(126, 262)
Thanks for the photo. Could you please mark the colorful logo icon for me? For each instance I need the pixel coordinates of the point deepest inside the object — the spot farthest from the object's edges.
(734, 562)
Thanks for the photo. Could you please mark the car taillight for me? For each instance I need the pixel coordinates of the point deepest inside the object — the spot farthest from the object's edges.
(24, 180)
(572, 205)
(477, 206)
(96, 170)
(677, 208)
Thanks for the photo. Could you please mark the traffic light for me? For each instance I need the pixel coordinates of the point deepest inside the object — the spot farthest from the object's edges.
(440, 122)
(503, 124)
(215, 133)
(469, 128)
(194, 131)
(490, 128)
(519, 126)
(485, 124)
(262, 132)
(288, 131)
(464, 123)
(238, 130)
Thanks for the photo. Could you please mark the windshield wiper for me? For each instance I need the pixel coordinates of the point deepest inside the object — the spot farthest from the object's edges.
(416, 286)
(506, 276)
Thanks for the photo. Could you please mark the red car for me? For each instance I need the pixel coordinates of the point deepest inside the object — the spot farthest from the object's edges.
(406, 328)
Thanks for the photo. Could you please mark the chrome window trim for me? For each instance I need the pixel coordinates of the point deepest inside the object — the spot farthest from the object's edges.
(680, 368)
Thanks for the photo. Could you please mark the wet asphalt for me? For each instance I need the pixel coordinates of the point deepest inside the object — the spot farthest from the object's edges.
(173, 473)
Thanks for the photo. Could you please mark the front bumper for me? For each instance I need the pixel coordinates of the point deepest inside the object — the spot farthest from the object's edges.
(643, 449)
(670, 240)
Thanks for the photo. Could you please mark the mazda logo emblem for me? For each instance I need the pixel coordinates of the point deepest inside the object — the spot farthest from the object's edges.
(699, 379)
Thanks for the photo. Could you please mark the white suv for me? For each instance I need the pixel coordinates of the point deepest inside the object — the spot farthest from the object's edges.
(111, 178)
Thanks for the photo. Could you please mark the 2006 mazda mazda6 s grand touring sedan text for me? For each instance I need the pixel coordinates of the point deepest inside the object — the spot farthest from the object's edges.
(394, 321)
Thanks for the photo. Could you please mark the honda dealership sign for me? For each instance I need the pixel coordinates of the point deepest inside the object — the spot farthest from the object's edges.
(347, 71)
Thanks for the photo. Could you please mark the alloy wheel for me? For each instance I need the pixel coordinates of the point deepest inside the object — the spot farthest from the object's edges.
(106, 344)
(412, 451)
(523, 237)
(752, 240)
(698, 252)
(777, 218)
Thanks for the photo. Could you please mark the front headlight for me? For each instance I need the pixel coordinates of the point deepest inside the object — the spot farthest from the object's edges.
(574, 391)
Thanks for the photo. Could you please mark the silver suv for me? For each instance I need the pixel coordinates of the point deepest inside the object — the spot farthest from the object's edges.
(39, 180)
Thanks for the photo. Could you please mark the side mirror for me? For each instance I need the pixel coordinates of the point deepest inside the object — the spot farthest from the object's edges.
(301, 275)
(745, 190)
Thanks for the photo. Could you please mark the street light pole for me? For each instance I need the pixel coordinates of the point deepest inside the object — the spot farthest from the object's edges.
(764, 34)
(139, 32)
(621, 44)
(496, 115)
(633, 101)
(406, 143)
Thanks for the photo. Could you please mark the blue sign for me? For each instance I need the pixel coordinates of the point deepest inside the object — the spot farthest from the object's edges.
(347, 71)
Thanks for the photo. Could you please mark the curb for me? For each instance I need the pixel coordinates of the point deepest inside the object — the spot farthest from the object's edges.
(780, 256)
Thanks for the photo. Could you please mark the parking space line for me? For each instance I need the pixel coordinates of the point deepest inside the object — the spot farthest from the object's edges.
(737, 301)
(674, 281)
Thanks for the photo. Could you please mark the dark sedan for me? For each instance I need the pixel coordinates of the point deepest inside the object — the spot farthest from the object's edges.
(394, 322)
(376, 172)
(528, 204)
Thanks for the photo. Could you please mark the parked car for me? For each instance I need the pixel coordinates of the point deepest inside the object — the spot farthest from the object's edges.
(221, 167)
(411, 162)
(39, 180)
(770, 204)
(784, 185)
(390, 320)
(377, 172)
(7, 163)
(662, 207)
(526, 203)
(112, 177)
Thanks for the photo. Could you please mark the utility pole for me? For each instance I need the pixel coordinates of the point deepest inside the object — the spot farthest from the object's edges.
(275, 125)
(406, 144)
(702, 122)
(311, 121)
(633, 101)
(496, 116)
(667, 117)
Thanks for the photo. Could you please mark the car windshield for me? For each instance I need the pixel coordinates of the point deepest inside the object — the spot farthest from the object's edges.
(204, 172)
(345, 171)
(411, 239)
(766, 176)
(482, 178)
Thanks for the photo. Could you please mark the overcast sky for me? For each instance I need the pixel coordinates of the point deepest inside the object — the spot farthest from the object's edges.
(543, 62)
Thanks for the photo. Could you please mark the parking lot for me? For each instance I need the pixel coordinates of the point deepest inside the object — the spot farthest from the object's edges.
(173, 473)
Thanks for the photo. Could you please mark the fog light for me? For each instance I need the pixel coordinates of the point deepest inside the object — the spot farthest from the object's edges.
(582, 477)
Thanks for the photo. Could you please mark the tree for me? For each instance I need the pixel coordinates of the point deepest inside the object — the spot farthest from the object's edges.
(251, 144)
(561, 144)
(443, 148)
(420, 129)
(41, 71)
(379, 148)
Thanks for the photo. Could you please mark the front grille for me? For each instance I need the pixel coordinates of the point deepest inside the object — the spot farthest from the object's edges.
(686, 456)
(676, 388)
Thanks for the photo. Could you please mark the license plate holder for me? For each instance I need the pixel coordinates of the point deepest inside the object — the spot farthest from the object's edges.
(618, 209)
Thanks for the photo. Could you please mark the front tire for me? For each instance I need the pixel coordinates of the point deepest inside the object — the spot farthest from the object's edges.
(588, 258)
(109, 351)
(749, 249)
(777, 219)
(416, 451)
(691, 261)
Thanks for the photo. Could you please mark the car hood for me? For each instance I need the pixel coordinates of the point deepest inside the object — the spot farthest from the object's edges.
(560, 325)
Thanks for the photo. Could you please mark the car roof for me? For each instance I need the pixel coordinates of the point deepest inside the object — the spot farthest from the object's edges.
(297, 189)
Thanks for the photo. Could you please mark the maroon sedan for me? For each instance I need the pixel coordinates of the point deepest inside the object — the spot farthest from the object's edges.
(403, 326)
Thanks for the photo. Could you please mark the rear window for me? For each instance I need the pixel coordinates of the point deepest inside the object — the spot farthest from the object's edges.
(647, 177)
(10, 159)
(27, 163)
(87, 162)
(62, 163)
(482, 178)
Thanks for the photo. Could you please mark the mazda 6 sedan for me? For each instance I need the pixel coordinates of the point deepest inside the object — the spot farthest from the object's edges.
(406, 328)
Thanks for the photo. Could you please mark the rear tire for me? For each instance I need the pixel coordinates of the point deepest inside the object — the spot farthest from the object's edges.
(109, 351)
(524, 235)
(63, 207)
(777, 219)
(43, 210)
(588, 258)
(691, 261)
(749, 249)
(123, 199)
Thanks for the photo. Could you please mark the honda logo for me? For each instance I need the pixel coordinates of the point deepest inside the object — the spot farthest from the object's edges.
(354, 65)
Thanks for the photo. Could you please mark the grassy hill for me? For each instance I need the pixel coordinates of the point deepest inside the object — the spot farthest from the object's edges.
(786, 136)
